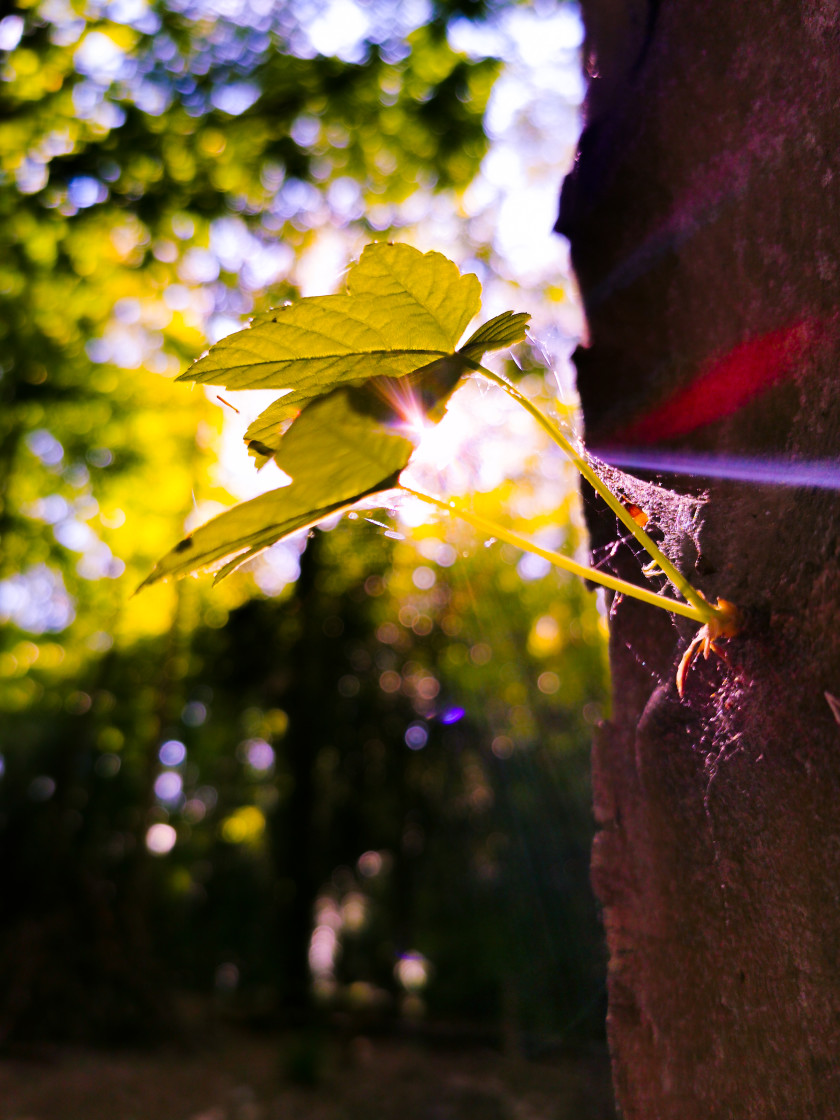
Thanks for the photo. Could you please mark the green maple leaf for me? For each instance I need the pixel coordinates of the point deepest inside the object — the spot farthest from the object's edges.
(340, 450)
(265, 433)
(363, 372)
(402, 310)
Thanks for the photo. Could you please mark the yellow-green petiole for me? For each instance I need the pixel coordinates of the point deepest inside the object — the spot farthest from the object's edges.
(492, 529)
(696, 606)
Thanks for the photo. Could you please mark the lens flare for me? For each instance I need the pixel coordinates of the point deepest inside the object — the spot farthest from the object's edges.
(824, 474)
(404, 401)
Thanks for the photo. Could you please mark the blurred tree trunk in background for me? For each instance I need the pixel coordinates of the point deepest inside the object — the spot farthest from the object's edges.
(703, 217)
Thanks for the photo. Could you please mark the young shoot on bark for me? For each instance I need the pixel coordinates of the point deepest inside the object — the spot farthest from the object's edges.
(362, 374)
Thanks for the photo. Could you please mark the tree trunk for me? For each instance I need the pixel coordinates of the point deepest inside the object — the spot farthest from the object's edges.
(703, 217)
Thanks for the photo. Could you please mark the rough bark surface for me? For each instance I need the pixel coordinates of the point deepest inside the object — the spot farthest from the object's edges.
(704, 218)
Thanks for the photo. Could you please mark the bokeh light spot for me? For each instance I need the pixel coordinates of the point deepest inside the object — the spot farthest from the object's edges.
(412, 971)
(259, 755)
(502, 746)
(416, 736)
(369, 864)
(423, 577)
(169, 786)
(194, 713)
(160, 839)
(390, 681)
(172, 752)
(548, 683)
(245, 826)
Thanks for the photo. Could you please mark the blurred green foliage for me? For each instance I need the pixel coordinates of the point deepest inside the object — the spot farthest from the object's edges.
(161, 171)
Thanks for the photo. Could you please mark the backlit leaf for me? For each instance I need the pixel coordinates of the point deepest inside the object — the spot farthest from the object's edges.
(339, 450)
(265, 433)
(402, 310)
(364, 373)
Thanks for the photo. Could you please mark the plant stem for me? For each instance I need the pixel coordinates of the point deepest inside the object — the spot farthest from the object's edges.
(492, 529)
(703, 611)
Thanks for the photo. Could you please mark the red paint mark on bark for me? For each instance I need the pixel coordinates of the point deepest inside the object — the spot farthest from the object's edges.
(725, 385)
